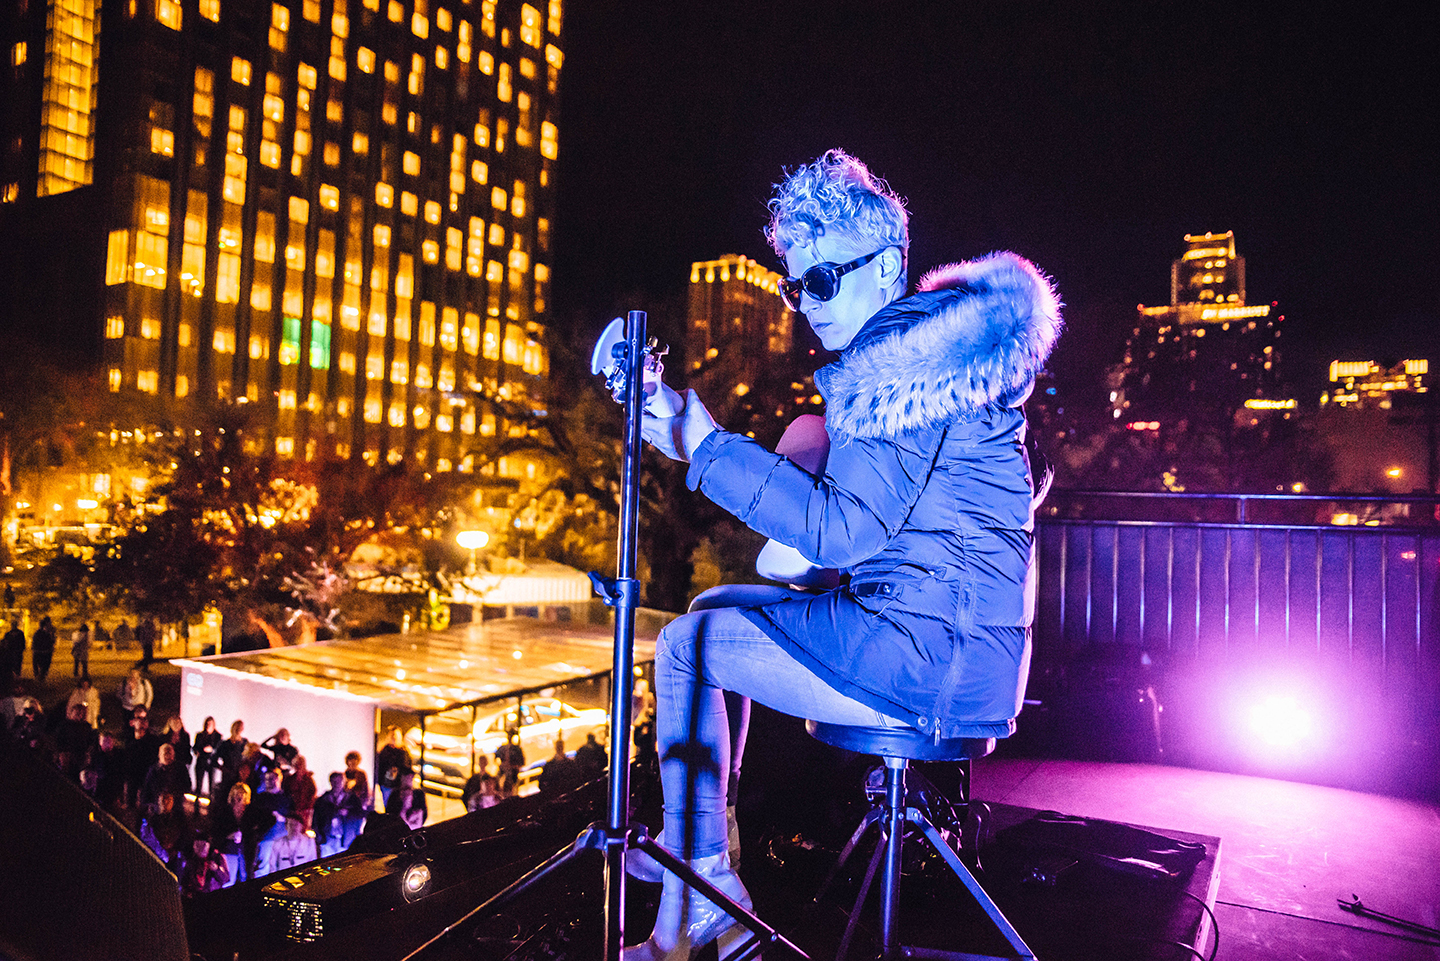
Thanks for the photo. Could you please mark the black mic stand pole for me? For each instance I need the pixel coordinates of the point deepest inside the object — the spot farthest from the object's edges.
(626, 596)
(617, 836)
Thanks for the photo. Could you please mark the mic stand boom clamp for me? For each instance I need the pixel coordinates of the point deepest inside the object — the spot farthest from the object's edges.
(625, 360)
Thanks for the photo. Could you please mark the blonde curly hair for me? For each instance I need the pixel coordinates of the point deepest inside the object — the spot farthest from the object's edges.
(836, 194)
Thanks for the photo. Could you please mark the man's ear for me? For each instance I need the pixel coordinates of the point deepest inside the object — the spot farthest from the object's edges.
(892, 265)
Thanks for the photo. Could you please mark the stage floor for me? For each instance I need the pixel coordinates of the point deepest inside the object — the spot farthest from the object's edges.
(1290, 850)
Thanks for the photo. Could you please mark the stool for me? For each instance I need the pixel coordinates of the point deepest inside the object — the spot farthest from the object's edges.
(897, 747)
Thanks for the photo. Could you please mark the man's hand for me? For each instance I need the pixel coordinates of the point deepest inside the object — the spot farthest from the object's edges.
(677, 437)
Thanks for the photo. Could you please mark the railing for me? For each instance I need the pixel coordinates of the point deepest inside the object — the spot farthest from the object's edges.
(1225, 599)
(1162, 573)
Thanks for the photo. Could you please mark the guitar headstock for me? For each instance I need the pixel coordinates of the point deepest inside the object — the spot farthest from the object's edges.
(610, 359)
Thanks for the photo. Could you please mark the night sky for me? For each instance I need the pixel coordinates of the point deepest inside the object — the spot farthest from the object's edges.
(1089, 137)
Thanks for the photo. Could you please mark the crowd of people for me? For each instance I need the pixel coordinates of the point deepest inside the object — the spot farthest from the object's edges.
(83, 639)
(220, 809)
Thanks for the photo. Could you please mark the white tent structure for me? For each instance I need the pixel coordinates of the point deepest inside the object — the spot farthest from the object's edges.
(331, 695)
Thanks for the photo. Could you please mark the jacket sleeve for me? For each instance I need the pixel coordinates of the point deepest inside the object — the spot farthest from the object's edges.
(835, 520)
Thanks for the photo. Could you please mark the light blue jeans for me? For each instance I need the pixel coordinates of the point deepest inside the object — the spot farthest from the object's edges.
(700, 656)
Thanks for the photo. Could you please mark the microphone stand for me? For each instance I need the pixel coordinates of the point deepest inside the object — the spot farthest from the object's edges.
(617, 836)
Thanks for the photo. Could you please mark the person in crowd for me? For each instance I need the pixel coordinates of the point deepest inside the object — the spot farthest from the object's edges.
(356, 782)
(393, 760)
(926, 501)
(28, 727)
(9, 597)
(300, 784)
(269, 810)
(146, 634)
(13, 647)
(510, 757)
(325, 818)
(292, 848)
(165, 829)
(108, 763)
(74, 738)
(407, 802)
(227, 827)
(482, 789)
(42, 649)
(100, 639)
(11, 706)
(123, 636)
(80, 651)
(280, 748)
(592, 758)
(230, 752)
(561, 773)
(166, 776)
(205, 868)
(207, 757)
(142, 750)
(257, 762)
(351, 806)
(136, 692)
(88, 698)
(177, 737)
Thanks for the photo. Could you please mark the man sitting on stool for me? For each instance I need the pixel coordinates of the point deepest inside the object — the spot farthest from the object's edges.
(924, 503)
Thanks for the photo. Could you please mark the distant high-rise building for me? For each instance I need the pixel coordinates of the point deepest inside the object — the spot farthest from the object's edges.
(1364, 384)
(743, 352)
(1207, 355)
(336, 210)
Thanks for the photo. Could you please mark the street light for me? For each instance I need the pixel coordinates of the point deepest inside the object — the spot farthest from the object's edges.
(472, 541)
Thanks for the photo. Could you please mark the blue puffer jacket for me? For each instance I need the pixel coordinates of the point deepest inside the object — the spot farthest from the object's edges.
(926, 502)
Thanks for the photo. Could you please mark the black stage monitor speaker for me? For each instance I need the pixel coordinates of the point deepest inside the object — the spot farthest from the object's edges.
(75, 885)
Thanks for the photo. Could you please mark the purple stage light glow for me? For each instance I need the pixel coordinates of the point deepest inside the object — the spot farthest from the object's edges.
(1280, 721)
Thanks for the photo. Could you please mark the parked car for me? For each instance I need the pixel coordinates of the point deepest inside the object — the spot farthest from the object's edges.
(538, 721)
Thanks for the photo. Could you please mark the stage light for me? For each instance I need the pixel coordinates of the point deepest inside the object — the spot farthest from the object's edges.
(1280, 721)
(415, 882)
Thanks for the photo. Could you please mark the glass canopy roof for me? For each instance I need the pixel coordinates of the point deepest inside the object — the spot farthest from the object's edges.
(429, 671)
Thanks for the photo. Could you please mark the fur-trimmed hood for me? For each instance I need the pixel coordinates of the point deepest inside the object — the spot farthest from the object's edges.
(975, 333)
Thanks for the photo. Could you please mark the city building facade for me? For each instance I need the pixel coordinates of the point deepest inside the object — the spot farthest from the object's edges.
(1209, 354)
(744, 352)
(337, 211)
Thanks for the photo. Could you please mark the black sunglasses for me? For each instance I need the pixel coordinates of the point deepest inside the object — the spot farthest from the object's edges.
(821, 282)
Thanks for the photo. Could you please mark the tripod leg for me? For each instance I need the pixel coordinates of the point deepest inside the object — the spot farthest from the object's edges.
(854, 920)
(1022, 950)
(890, 880)
(590, 839)
(871, 816)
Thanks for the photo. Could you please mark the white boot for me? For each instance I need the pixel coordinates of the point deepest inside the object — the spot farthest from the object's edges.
(687, 920)
(642, 867)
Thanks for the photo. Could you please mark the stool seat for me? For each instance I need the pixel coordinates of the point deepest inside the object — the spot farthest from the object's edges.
(905, 742)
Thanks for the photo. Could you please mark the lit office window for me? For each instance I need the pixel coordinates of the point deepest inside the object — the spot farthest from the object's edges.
(385, 195)
(67, 140)
(365, 60)
(549, 145)
(192, 256)
(240, 71)
(168, 12)
(210, 10)
(117, 257)
(529, 25)
(503, 90)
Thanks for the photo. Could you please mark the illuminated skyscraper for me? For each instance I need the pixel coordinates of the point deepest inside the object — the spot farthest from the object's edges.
(337, 210)
(1207, 356)
(744, 353)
